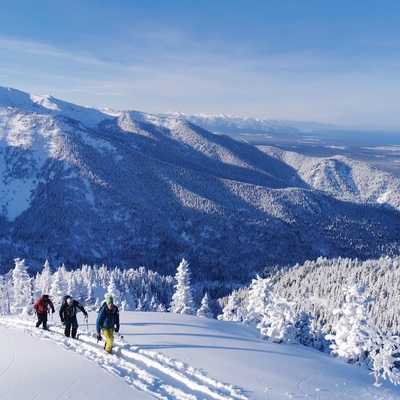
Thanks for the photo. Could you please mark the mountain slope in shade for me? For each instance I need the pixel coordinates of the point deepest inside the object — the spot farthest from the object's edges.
(85, 186)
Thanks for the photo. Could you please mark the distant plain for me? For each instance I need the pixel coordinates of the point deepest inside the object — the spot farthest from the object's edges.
(380, 149)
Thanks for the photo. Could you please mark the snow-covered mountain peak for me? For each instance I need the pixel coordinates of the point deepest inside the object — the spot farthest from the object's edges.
(14, 98)
(45, 101)
(45, 104)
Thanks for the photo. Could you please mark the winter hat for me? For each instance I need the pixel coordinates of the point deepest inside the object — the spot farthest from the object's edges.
(109, 300)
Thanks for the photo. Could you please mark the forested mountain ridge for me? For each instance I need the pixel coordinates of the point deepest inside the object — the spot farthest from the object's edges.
(343, 178)
(126, 188)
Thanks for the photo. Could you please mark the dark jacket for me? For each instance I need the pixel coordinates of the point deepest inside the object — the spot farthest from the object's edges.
(68, 312)
(42, 305)
(108, 319)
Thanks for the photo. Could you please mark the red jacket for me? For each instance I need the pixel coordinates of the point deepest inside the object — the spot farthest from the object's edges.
(42, 305)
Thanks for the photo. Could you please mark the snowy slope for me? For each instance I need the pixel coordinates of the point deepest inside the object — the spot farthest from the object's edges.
(172, 356)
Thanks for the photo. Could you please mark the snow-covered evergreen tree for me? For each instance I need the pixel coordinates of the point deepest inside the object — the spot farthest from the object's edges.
(4, 297)
(278, 322)
(153, 303)
(205, 311)
(358, 340)
(58, 288)
(43, 280)
(351, 333)
(258, 299)
(139, 306)
(383, 354)
(89, 281)
(5, 294)
(146, 302)
(233, 309)
(21, 289)
(309, 332)
(182, 299)
(303, 326)
(72, 287)
(112, 288)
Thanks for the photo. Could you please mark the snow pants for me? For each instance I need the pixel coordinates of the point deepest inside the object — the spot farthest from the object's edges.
(42, 318)
(109, 337)
(73, 323)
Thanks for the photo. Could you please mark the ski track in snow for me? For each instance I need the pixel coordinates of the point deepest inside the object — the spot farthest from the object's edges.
(147, 371)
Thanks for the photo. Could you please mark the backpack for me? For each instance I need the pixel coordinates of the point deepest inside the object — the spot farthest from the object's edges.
(104, 305)
(70, 311)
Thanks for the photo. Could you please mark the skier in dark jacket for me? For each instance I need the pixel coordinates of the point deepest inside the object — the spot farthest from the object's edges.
(42, 307)
(68, 315)
(108, 322)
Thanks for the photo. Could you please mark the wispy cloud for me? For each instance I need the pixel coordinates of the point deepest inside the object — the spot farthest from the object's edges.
(11, 46)
(166, 69)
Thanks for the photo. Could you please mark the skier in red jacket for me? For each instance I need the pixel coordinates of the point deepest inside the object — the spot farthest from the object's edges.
(42, 306)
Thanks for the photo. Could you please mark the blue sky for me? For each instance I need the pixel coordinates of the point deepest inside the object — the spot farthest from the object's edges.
(326, 61)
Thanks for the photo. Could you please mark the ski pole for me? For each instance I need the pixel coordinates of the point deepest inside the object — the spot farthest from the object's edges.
(87, 325)
(121, 336)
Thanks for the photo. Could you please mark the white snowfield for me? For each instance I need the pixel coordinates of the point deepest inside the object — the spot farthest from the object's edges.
(170, 356)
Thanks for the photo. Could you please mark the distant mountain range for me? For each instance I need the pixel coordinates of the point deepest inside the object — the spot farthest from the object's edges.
(229, 124)
(125, 188)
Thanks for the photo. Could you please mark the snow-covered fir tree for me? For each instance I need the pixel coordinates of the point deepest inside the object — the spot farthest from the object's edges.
(161, 308)
(153, 303)
(351, 333)
(4, 296)
(205, 311)
(310, 333)
(233, 309)
(383, 356)
(43, 280)
(58, 288)
(72, 287)
(112, 288)
(88, 281)
(182, 299)
(21, 289)
(278, 322)
(258, 299)
(358, 340)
